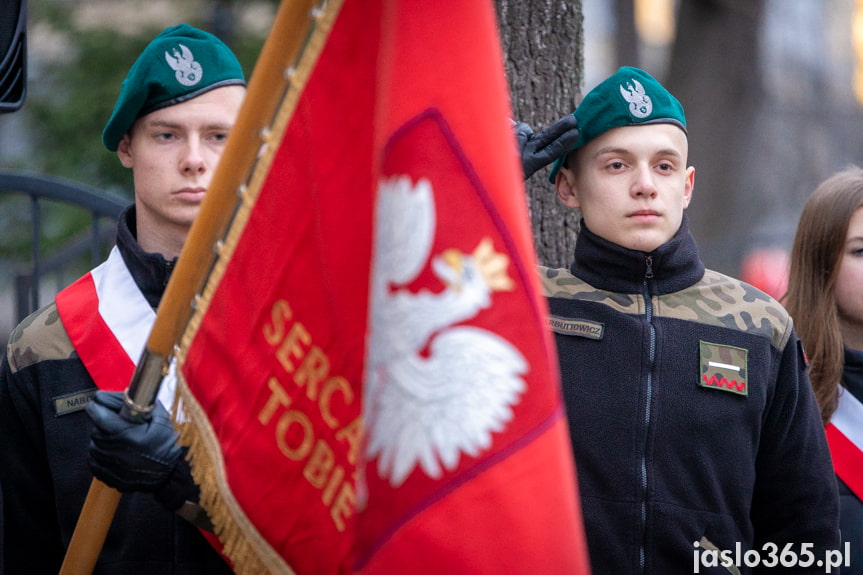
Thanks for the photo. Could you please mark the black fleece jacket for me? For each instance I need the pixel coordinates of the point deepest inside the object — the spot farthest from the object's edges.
(851, 507)
(692, 420)
(44, 464)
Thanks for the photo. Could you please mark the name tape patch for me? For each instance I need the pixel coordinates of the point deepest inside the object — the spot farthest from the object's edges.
(66, 404)
(724, 367)
(579, 327)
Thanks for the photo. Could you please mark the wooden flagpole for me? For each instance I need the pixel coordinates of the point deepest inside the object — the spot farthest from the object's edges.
(266, 87)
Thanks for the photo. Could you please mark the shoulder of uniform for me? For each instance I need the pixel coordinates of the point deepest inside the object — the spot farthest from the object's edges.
(39, 337)
(559, 282)
(562, 284)
(722, 300)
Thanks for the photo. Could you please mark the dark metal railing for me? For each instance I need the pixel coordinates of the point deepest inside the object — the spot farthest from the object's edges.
(39, 187)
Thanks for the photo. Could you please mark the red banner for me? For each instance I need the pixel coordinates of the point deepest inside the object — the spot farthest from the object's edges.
(369, 386)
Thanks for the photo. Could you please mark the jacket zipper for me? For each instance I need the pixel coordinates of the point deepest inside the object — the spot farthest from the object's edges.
(169, 269)
(648, 315)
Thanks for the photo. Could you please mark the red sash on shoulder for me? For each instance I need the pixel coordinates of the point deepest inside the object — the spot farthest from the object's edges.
(845, 437)
(108, 320)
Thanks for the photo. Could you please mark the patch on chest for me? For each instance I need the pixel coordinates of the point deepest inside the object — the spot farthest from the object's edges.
(579, 327)
(72, 402)
(724, 367)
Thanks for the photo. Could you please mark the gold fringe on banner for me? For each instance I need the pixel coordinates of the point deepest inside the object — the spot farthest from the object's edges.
(249, 552)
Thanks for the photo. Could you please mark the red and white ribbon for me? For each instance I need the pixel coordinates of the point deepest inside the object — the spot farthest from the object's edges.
(109, 320)
(845, 436)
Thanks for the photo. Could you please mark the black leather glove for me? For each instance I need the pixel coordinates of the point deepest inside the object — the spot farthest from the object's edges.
(539, 150)
(138, 456)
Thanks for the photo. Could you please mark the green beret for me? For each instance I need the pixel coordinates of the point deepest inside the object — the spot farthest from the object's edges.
(179, 64)
(630, 97)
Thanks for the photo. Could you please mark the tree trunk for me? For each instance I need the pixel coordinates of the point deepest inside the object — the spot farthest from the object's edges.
(714, 73)
(626, 38)
(543, 50)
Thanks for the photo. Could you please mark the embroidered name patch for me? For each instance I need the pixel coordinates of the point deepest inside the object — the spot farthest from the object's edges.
(66, 404)
(580, 327)
(724, 367)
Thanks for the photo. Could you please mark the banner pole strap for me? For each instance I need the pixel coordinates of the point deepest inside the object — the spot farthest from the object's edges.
(268, 83)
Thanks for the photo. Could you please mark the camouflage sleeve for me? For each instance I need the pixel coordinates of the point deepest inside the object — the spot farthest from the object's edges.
(795, 498)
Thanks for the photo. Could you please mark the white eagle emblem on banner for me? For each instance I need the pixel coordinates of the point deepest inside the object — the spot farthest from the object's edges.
(433, 389)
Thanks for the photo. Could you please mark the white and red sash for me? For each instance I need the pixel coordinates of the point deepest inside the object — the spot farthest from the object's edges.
(108, 320)
(845, 436)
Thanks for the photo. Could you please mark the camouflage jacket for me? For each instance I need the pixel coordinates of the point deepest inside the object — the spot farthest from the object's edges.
(692, 419)
(44, 464)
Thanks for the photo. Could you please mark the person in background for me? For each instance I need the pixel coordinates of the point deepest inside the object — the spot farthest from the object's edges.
(66, 365)
(825, 298)
(695, 430)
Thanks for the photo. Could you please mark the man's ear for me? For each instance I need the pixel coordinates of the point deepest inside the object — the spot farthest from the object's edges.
(690, 186)
(124, 151)
(564, 181)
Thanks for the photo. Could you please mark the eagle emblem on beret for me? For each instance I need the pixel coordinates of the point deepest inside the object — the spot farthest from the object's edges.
(182, 61)
(640, 104)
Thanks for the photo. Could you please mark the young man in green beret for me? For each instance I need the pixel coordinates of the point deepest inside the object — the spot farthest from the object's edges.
(697, 439)
(175, 110)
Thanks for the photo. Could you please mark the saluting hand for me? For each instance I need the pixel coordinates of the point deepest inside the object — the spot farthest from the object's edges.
(539, 150)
